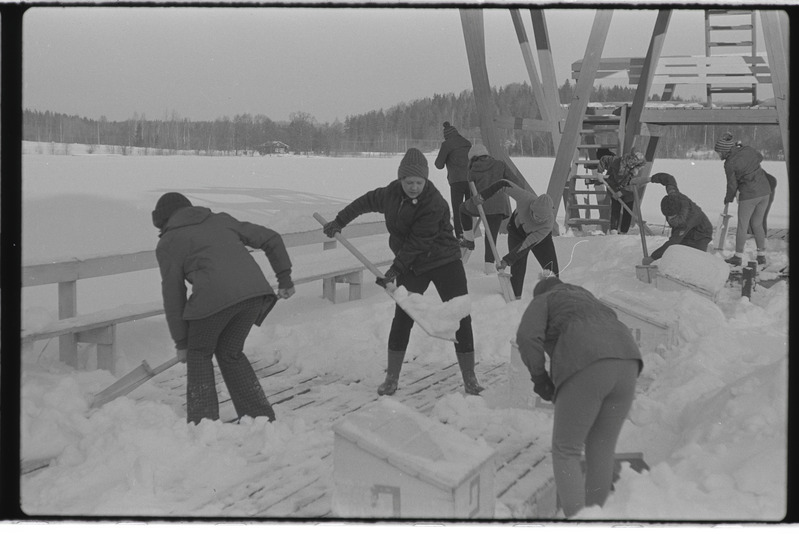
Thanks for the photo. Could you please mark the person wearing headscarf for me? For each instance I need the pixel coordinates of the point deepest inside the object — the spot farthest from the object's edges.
(485, 171)
(689, 224)
(748, 182)
(229, 294)
(453, 154)
(620, 170)
(594, 364)
(529, 230)
(425, 251)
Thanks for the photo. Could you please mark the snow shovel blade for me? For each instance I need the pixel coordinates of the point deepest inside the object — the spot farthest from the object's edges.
(722, 228)
(504, 278)
(505, 286)
(425, 325)
(130, 381)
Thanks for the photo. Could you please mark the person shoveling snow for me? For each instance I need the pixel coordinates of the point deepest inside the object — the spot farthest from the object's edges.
(426, 251)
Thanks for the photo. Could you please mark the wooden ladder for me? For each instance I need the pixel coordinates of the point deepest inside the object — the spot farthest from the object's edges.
(597, 131)
(737, 32)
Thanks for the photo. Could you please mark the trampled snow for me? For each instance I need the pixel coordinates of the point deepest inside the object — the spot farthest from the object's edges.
(710, 414)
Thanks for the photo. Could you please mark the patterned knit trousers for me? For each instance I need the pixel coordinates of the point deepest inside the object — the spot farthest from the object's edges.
(223, 334)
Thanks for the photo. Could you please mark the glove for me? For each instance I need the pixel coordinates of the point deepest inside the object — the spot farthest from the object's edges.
(510, 258)
(728, 200)
(389, 278)
(502, 265)
(181, 354)
(647, 260)
(544, 387)
(478, 199)
(284, 293)
(332, 228)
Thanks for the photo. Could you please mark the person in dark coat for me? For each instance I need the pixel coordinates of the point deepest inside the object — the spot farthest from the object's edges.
(529, 230)
(689, 224)
(747, 181)
(425, 251)
(229, 294)
(620, 170)
(485, 171)
(454, 155)
(593, 367)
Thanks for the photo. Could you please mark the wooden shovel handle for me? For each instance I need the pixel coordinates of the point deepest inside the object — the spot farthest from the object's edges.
(355, 252)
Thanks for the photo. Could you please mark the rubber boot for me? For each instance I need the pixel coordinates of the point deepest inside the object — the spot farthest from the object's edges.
(395, 359)
(466, 363)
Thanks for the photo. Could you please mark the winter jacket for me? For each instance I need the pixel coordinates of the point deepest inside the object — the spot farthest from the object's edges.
(690, 224)
(618, 176)
(575, 329)
(208, 250)
(744, 174)
(486, 171)
(454, 153)
(420, 232)
(535, 215)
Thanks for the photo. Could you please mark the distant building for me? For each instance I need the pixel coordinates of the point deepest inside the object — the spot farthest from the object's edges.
(273, 147)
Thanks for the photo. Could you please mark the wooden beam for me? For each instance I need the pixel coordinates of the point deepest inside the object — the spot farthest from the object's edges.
(520, 123)
(645, 83)
(578, 105)
(529, 63)
(774, 24)
(548, 78)
(474, 35)
(709, 116)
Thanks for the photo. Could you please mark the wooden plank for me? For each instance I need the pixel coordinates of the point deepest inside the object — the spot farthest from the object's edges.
(90, 321)
(673, 116)
(578, 105)
(524, 124)
(548, 77)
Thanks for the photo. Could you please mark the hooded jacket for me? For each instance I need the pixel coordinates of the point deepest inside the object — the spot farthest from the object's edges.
(420, 232)
(575, 329)
(454, 153)
(745, 176)
(208, 250)
(690, 223)
(486, 171)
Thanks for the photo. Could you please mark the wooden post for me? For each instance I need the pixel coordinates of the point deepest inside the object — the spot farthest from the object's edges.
(474, 35)
(578, 105)
(548, 77)
(775, 26)
(68, 307)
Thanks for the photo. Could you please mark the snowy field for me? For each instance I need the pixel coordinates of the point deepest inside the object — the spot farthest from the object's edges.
(710, 416)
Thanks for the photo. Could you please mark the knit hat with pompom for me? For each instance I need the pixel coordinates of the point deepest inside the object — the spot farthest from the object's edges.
(725, 143)
(545, 285)
(669, 206)
(413, 164)
(449, 130)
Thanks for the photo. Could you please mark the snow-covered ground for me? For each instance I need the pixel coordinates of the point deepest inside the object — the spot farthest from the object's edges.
(710, 415)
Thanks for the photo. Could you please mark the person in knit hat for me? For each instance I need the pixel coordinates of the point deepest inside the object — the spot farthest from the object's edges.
(620, 170)
(749, 183)
(529, 230)
(689, 224)
(453, 154)
(229, 294)
(425, 251)
(485, 171)
(594, 364)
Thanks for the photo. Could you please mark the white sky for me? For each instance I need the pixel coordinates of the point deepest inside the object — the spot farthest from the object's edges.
(206, 63)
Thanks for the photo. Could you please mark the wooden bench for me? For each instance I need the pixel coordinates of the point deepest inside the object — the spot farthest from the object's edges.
(333, 266)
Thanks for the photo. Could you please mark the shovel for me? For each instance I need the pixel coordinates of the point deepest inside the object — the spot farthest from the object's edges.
(130, 381)
(722, 227)
(390, 289)
(504, 278)
(642, 224)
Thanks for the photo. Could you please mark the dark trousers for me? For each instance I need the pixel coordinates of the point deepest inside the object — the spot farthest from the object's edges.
(544, 252)
(494, 222)
(620, 218)
(460, 192)
(223, 334)
(450, 282)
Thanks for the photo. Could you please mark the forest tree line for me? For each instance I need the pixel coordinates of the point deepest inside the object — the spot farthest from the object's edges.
(417, 124)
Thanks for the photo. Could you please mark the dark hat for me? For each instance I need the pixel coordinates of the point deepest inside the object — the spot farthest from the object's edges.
(477, 150)
(168, 204)
(545, 285)
(413, 164)
(449, 130)
(725, 143)
(670, 205)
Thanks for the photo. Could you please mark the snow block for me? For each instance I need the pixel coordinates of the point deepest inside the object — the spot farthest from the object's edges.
(684, 267)
(654, 329)
(390, 461)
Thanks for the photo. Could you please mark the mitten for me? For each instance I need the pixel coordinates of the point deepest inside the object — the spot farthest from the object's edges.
(388, 278)
(544, 387)
(647, 260)
(332, 228)
(511, 257)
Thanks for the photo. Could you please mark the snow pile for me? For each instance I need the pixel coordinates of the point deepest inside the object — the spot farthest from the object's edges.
(694, 267)
(440, 319)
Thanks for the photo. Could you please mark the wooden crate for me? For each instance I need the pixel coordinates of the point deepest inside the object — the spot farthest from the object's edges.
(653, 329)
(390, 461)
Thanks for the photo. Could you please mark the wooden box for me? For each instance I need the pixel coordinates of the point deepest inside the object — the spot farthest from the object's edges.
(390, 461)
(653, 329)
